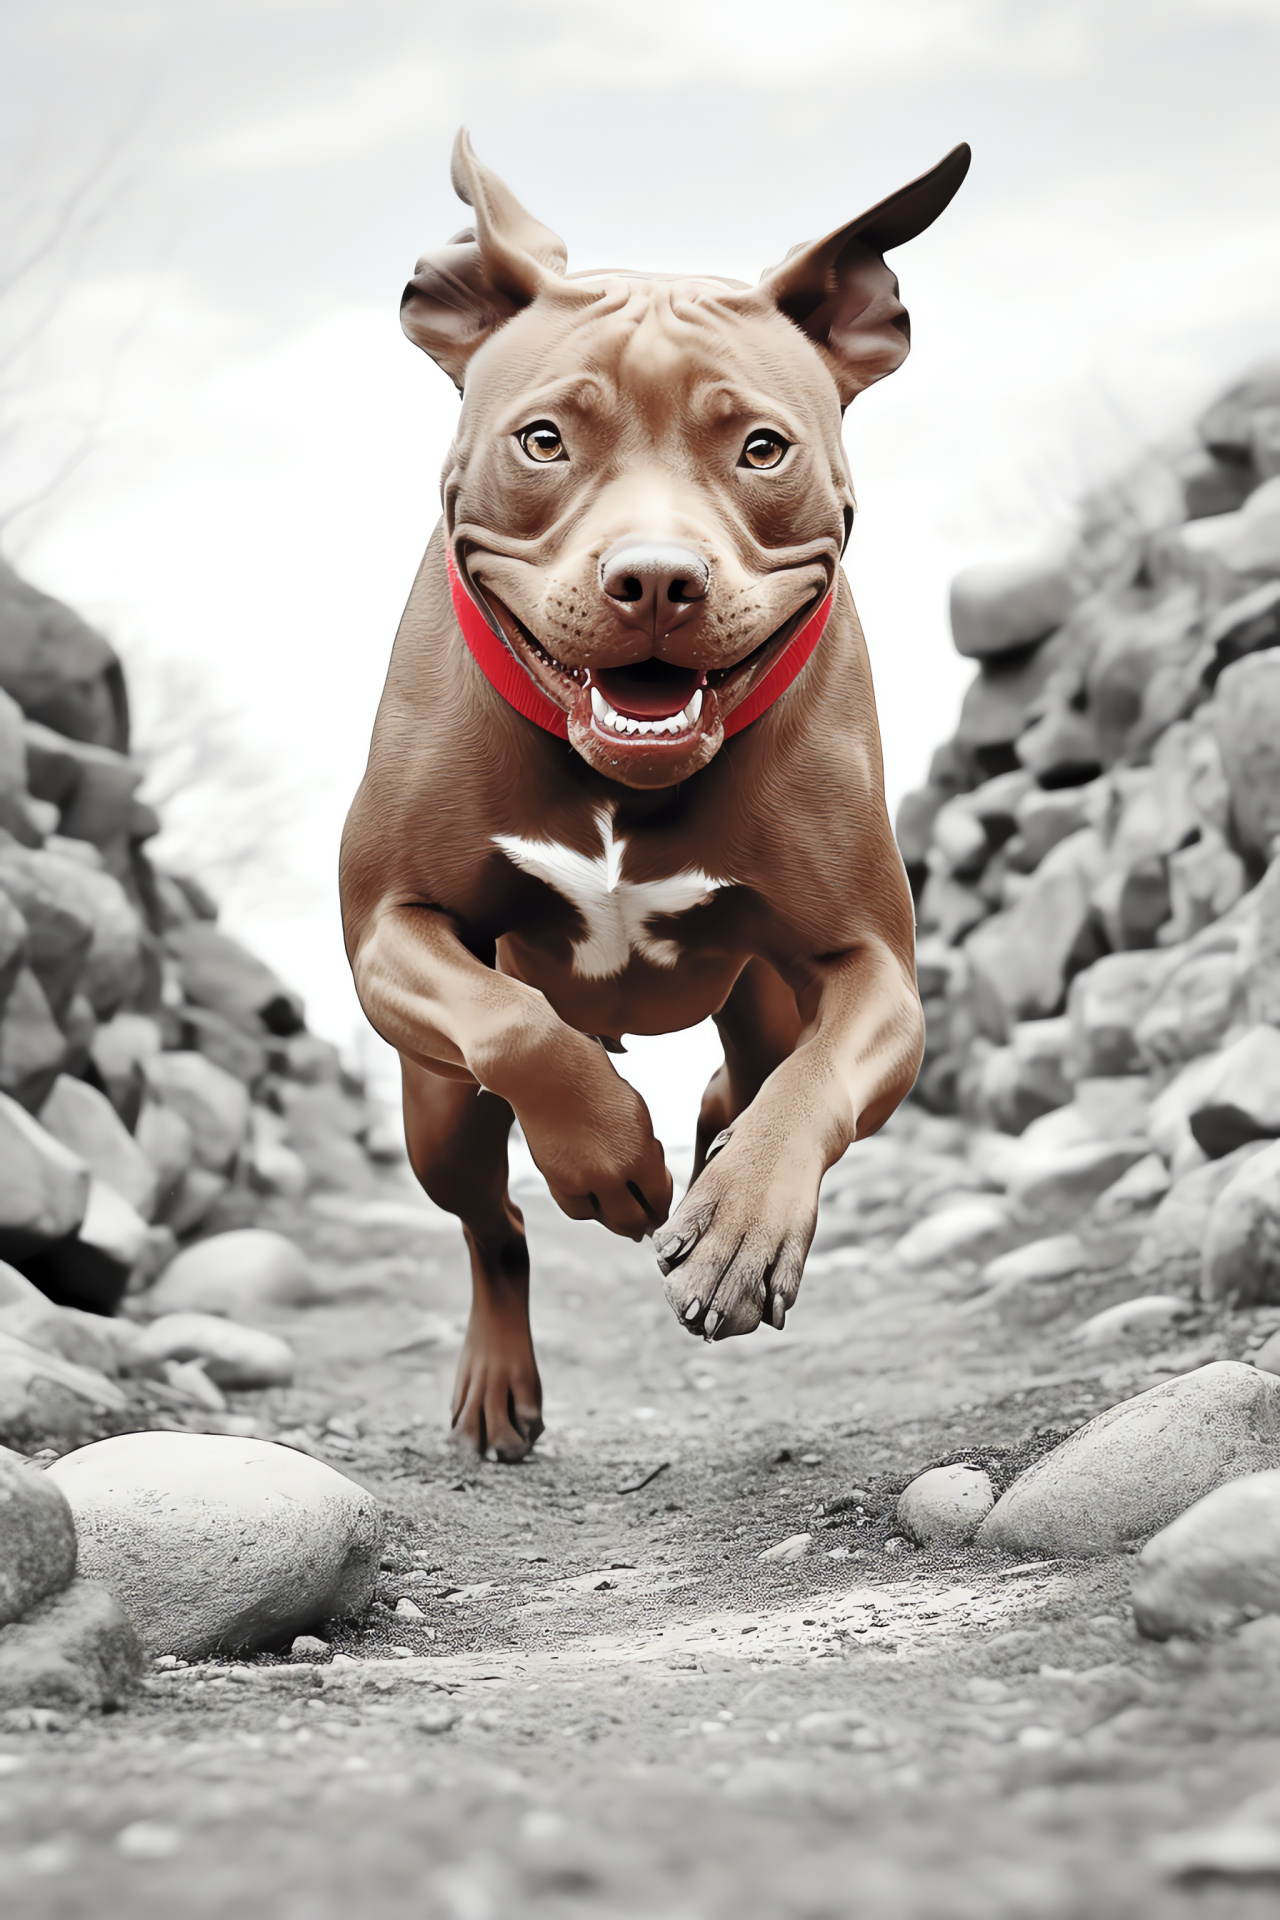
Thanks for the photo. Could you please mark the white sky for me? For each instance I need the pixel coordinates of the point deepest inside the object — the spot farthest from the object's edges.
(267, 445)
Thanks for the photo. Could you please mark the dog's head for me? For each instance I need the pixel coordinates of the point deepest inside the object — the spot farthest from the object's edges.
(648, 489)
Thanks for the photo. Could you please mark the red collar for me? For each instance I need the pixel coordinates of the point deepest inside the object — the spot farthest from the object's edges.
(506, 676)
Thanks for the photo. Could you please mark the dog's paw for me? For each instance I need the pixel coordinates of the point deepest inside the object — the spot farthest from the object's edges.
(733, 1253)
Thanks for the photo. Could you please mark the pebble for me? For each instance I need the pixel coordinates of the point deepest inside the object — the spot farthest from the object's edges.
(1215, 1565)
(1136, 1467)
(215, 1543)
(37, 1541)
(793, 1548)
(148, 1840)
(74, 1650)
(234, 1356)
(945, 1506)
(1026, 1283)
(406, 1610)
(1132, 1316)
(240, 1274)
(309, 1646)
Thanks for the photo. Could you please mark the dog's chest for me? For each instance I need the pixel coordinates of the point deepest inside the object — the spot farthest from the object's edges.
(616, 912)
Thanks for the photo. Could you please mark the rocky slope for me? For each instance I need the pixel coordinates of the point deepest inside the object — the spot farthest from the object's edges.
(1098, 893)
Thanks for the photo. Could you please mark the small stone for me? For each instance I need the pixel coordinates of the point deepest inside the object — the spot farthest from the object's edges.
(1136, 1467)
(75, 1649)
(1170, 1249)
(896, 1545)
(1007, 605)
(241, 1358)
(1057, 1187)
(406, 1610)
(1147, 1311)
(945, 1506)
(793, 1548)
(438, 1717)
(1215, 1565)
(308, 1646)
(239, 1274)
(215, 1543)
(37, 1541)
(44, 1398)
(188, 1377)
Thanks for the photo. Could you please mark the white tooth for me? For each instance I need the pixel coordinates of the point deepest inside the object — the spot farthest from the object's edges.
(617, 722)
(694, 707)
(633, 726)
(675, 723)
(599, 705)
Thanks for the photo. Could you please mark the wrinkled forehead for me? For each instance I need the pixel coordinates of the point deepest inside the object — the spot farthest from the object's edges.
(665, 343)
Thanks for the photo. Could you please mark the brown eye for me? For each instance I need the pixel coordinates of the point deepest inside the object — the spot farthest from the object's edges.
(542, 442)
(763, 450)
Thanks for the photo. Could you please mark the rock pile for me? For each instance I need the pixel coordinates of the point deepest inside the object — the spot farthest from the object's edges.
(158, 1083)
(1095, 864)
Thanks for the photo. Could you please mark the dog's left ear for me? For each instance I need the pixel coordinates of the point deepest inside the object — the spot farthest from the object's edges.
(464, 291)
(840, 292)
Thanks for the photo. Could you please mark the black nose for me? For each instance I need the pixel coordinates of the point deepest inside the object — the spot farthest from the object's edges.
(647, 578)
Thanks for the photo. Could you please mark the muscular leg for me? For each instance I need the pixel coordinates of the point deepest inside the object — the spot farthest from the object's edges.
(457, 1140)
(759, 1025)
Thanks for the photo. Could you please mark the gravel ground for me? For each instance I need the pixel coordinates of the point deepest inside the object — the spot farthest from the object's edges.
(607, 1705)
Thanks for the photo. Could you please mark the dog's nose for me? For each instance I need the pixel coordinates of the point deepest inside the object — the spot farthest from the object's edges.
(646, 578)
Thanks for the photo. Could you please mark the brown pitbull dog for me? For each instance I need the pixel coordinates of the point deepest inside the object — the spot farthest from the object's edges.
(626, 771)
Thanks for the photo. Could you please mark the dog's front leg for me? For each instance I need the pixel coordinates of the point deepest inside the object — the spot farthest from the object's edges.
(734, 1251)
(440, 1007)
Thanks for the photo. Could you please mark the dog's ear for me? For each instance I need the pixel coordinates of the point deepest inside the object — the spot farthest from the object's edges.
(840, 292)
(464, 291)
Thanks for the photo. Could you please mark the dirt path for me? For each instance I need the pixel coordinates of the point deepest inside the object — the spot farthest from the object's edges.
(610, 1706)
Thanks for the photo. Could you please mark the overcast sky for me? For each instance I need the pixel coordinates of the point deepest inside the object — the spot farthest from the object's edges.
(246, 184)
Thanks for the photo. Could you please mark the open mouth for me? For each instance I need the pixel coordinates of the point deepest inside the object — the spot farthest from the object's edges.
(648, 697)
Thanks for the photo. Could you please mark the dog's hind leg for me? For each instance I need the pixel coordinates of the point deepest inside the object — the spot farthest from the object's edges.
(457, 1139)
(758, 1025)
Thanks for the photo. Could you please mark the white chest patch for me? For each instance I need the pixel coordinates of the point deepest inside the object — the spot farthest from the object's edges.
(616, 911)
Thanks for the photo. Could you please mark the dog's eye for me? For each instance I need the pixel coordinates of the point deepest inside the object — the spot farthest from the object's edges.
(763, 450)
(542, 442)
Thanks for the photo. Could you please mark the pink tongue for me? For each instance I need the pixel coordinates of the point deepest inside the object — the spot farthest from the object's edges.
(642, 694)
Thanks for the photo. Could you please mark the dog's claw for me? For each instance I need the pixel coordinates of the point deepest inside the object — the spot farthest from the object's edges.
(778, 1312)
(693, 1309)
(711, 1322)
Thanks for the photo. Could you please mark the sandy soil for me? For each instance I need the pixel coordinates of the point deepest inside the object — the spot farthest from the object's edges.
(611, 1706)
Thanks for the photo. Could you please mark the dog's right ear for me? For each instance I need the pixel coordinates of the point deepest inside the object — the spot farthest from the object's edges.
(466, 290)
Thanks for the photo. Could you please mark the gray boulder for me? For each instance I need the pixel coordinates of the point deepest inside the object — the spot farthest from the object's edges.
(44, 1188)
(214, 1544)
(1001, 607)
(86, 1122)
(1171, 1249)
(242, 1274)
(1240, 1259)
(73, 1651)
(33, 1046)
(48, 1401)
(218, 973)
(37, 1541)
(1135, 1468)
(58, 669)
(1246, 714)
(1215, 1565)
(214, 1104)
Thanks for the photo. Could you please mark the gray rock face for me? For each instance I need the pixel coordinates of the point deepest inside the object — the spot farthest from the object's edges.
(218, 973)
(37, 1541)
(1137, 1467)
(945, 1506)
(1240, 1259)
(44, 1188)
(242, 1274)
(235, 1356)
(1215, 1565)
(1247, 716)
(218, 1544)
(72, 1651)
